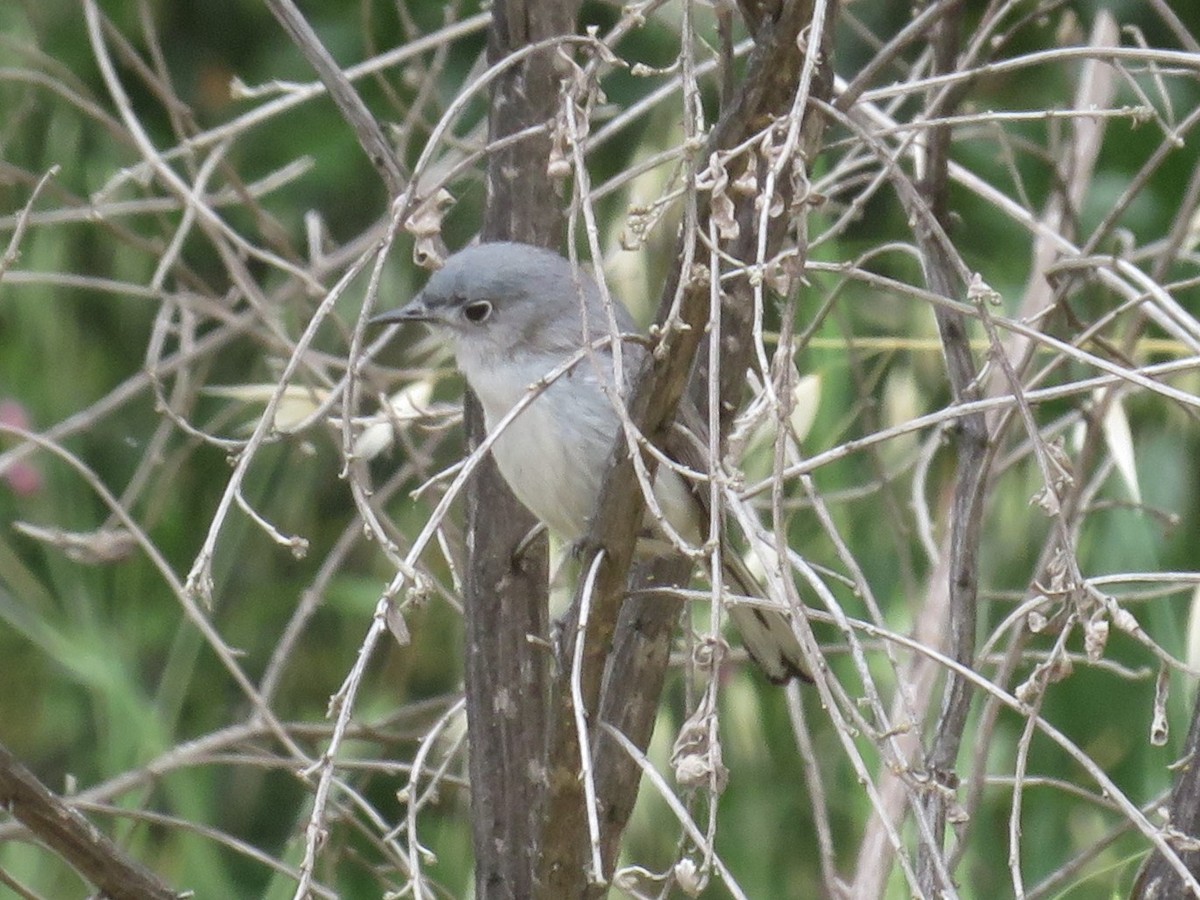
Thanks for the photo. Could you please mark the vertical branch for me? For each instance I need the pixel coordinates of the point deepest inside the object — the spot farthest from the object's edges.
(522, 200)
(617, 667)
(1159, 878)
(641, 650)
(945, 278)
(506, 618)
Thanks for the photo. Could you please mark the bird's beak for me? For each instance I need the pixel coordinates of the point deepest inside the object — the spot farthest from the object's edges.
(414, 311)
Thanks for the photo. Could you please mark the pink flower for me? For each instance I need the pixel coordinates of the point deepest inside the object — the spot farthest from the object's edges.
(22, 478)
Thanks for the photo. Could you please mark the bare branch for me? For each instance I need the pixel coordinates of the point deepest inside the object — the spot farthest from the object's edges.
(62, 828)
(370, 135)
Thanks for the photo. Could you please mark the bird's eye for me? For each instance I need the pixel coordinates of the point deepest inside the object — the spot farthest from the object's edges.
(477, 311)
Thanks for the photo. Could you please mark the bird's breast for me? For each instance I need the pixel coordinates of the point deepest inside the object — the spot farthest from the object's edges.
(553, 453)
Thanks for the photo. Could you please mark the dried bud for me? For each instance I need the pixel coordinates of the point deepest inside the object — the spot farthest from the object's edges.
(425, 224)
(1095, 638)
(1159, 728)
(715, 180)
(696, 756)
(690, 878)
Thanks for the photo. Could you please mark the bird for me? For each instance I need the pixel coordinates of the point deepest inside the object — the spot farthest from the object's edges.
(513, 313)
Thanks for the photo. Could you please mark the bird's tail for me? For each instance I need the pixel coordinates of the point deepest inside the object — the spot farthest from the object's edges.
(766, 633)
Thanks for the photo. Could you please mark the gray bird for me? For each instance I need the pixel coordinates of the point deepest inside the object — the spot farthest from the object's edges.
(515, 312)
